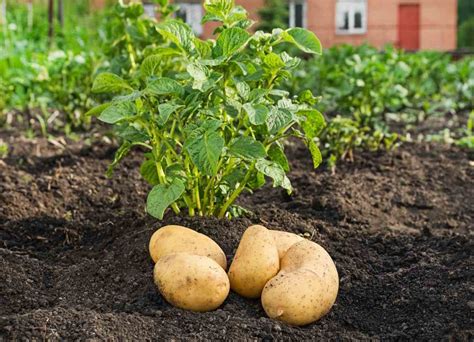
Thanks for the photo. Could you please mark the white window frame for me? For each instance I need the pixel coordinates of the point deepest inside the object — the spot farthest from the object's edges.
(194, 14)
(149, 10)
(351, 7)
(291, 12)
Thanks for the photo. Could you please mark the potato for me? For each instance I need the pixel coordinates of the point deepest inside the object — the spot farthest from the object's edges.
(191, 282)
(176, 239)
(284, 241)
(256, 261)
(306, 287)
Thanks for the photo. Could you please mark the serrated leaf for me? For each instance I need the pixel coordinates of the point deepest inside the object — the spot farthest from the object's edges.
(305, 40)
(314, 123)
(117, 111)
(149, 172)
(162, 196)
(274, 171)
(165, 110)
(107, 82)
(257, 113)
(315, 153)
(164, 86)
(205, 150)
(276, 154)
(229, 41)
(277, 119)
(151, 66)
(247, 148)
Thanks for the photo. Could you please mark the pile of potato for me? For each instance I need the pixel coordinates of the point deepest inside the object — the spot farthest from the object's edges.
(295, 278)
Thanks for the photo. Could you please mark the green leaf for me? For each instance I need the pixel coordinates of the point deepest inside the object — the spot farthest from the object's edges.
(247, 148)
(162, 196)
(149, 172)
(179, 33)
(277, 119)
(256, 181)
(198, 73)
(164, 86)
(217, 10)
(243, 89)
(165, 110)
(314, 123)
(273, 61)
(315, 153)
(257, 113)
(274, 171)
(117, 111)
(121, 152)
(98, 109)
(107, 82)
(132, 134)
(305, 40)
(277, 155)
(151, 66)
(204, 150)
(229, 41)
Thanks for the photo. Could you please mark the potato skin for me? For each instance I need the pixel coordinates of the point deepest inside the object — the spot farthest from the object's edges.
(191, 282)
(284, 241)
(306, 287)
(256, 261)
(176, 239)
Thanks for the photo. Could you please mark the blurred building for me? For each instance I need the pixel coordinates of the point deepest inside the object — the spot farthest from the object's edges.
(409, 24)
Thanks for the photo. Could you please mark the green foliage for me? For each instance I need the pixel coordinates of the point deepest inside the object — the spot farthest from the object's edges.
(371, 89)
(274, 14)
(466, 34)
(42, 78)
(465, 10)
(211, 114)
(467, 139)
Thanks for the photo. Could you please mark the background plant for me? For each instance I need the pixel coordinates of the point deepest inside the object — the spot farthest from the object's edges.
(213, 124)
(365, 92)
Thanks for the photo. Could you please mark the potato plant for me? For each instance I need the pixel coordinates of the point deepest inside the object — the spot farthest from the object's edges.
(210, 114)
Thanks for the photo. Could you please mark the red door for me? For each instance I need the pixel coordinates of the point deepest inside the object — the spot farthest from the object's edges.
(409, 26)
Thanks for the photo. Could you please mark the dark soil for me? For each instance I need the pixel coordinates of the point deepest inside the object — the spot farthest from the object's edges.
(75, 265)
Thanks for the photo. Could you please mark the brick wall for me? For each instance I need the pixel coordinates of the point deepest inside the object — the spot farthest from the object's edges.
(438, 22)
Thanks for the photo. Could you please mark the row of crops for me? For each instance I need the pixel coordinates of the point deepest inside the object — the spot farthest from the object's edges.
(365, 94)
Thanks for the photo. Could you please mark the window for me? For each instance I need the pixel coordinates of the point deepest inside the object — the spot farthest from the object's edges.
(351, 16)
(191, 13)
(149, 10)
(297, 13)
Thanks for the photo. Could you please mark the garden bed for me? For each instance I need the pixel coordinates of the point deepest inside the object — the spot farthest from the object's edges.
(75, 263)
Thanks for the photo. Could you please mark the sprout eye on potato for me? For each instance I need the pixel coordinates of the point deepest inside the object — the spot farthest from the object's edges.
(176, 239)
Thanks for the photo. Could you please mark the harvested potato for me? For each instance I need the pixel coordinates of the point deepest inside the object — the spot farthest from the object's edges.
(191, 282)
(284, 241)
(176, 239)
(306, 287)
(256, 261)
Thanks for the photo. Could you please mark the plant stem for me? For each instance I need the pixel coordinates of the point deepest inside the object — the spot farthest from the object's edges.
(236, 192)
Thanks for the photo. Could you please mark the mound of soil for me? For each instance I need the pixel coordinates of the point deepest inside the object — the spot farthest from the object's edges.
(75, 264)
